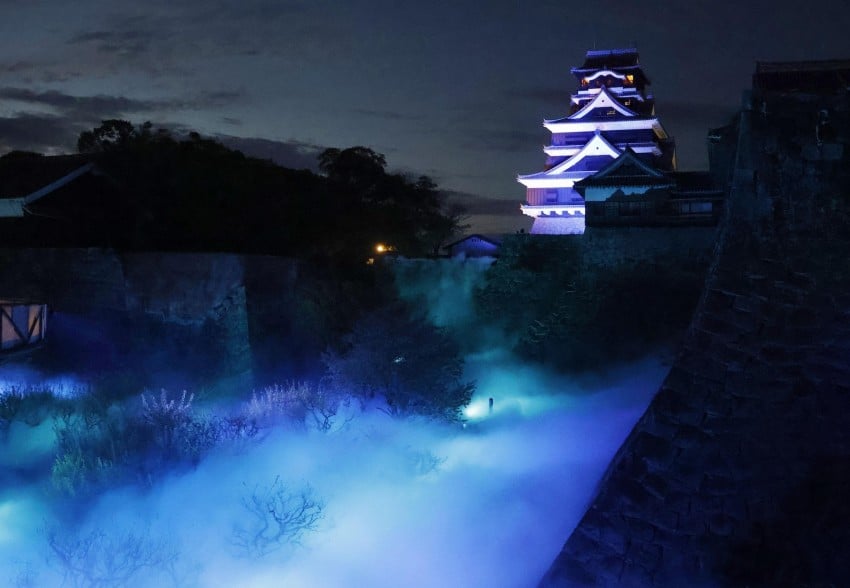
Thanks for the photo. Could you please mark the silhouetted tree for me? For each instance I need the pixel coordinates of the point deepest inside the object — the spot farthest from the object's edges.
(110, 134)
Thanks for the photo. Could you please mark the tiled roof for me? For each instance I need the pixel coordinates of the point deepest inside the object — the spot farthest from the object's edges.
(610, 58)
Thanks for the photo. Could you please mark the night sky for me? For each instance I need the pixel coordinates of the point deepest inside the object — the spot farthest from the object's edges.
(456, 90)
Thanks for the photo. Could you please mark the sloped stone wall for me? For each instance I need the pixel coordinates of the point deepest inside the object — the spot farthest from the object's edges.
(738, 474)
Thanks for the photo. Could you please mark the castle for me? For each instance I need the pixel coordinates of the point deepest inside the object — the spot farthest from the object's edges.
(611, 161)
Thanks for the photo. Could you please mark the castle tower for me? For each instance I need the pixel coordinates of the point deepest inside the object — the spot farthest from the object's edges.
(611, 111)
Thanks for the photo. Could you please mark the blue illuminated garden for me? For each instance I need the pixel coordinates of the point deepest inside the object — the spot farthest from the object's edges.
(388, 466)
(236, 374)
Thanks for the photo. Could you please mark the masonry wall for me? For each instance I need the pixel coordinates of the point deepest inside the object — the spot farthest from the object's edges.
(738, 473)
(170, 312)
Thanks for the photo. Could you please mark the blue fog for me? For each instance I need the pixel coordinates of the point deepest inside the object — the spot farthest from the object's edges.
(406, 502)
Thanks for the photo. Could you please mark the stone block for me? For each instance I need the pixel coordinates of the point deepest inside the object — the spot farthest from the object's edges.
(718, 485)
(655, 450)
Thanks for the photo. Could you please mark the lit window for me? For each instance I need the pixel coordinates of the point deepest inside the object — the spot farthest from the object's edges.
(630, 79)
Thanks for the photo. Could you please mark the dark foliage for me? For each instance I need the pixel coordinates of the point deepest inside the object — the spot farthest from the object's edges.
(577, 318)
(152, 191)
(402, 358)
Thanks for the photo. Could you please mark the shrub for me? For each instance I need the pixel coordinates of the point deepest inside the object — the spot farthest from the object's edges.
(315, 407)
(167, 418)
(415, 366)
(276, 518)
(277, 402)
(100, 559)
(90, 444)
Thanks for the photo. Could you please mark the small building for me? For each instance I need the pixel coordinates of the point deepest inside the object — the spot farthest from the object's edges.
(630, 192)
(611, 111)
(475, 246)
(22, 324)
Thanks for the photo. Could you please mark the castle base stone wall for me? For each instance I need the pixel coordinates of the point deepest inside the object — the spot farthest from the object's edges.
(738, 473)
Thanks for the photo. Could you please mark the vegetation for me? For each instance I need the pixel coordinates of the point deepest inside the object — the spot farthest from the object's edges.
(100, 559)
(393, 354)
(576, 318)
(196, 194)
(275, 518)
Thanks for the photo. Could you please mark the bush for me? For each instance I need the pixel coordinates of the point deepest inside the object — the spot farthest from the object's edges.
(167, 418)
(100, 559)
(276, 518)
(314, 407)
(98, 446)
(415, 366)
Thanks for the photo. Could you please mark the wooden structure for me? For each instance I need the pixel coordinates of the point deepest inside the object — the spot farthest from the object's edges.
(475, 246)
(611, 111)
(630, 192)
(22, 324)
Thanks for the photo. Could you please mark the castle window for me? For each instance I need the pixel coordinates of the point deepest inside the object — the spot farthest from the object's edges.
(630, 79)
(695, 208)
(551, 196)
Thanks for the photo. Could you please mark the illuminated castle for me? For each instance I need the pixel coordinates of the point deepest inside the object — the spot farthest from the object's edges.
(610, 114)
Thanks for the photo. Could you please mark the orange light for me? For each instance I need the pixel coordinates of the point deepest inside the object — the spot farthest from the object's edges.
(380, 248)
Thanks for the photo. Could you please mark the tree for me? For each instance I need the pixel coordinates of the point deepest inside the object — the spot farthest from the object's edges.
(111, 134)
(276, 517)
(414, 366)
(356, 165)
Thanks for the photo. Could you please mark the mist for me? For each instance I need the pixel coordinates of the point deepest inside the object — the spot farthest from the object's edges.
(409, 502)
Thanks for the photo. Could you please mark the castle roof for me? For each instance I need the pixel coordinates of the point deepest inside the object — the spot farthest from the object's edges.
(594, 155)
(601, 103)
(618, 60)
(606, 58)
(627, 170)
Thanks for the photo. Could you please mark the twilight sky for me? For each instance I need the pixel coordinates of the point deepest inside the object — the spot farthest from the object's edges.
(454, 89)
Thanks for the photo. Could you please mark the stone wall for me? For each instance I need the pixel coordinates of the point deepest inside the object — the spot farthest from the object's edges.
(145, 311)
(613, 246)
(738, 473)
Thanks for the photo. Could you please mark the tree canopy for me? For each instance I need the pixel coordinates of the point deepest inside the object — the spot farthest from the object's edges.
(195, 193)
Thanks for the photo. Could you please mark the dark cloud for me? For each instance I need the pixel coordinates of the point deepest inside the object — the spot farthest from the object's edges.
(292, 154)
(476, 204)
(126, 43)
(84, 106)
(40, 133)
(545, 96)
(17, 67)
(510, 140)
(387, 114)
(696, 113)
(87, 108)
